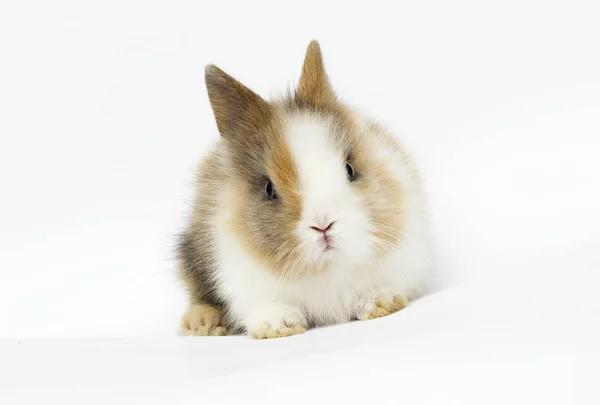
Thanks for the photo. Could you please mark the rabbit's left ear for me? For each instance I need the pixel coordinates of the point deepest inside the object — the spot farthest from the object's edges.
(314, 86)
(238, 110)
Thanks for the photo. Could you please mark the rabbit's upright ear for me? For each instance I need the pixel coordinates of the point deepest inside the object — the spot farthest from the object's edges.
(237, 109)
(314, 86)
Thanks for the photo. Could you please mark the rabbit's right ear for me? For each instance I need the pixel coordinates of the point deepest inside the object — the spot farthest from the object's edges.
(314, 86)
(236, 108)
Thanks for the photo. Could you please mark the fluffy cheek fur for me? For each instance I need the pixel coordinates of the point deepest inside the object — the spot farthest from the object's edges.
(382, 199)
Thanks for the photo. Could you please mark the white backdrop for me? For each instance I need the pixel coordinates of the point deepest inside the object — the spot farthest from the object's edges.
(103, 115)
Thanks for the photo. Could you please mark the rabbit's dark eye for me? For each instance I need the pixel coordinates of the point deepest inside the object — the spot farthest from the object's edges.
(270, 190)
(350, 171)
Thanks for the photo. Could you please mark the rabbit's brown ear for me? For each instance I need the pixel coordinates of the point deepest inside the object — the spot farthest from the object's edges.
(236, 108)
(314, 85)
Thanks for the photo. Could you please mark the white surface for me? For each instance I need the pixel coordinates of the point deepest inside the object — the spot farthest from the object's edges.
(103, 115)
(492, 343)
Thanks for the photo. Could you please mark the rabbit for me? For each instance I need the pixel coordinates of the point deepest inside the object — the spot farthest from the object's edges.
(306, 214)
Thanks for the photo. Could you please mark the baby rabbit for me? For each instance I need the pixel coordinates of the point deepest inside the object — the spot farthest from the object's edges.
(306, 214)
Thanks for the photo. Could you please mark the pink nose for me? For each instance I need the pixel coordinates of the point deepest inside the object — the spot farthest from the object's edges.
(318, 229)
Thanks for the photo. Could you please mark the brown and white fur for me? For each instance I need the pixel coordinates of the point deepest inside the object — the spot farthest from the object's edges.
(261, 265)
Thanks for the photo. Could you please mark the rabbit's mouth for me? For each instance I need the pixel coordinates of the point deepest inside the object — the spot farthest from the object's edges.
(326, 243)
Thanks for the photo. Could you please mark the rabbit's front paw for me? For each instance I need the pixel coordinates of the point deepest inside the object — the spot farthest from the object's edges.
(382, 306)
(276, 322)
(203, 320)
(267, 331)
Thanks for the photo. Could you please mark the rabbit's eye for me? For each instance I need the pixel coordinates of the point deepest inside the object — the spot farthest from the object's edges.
(350, 171)
(270, 190)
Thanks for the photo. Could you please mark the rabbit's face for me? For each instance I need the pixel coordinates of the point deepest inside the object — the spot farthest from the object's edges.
(311, 189)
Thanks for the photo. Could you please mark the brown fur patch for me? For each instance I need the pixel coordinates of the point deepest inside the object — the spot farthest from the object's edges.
(382, 196)
(283, 172)
(266, 227)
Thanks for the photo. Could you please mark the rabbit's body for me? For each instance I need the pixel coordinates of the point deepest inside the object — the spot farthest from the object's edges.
(306, 214)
